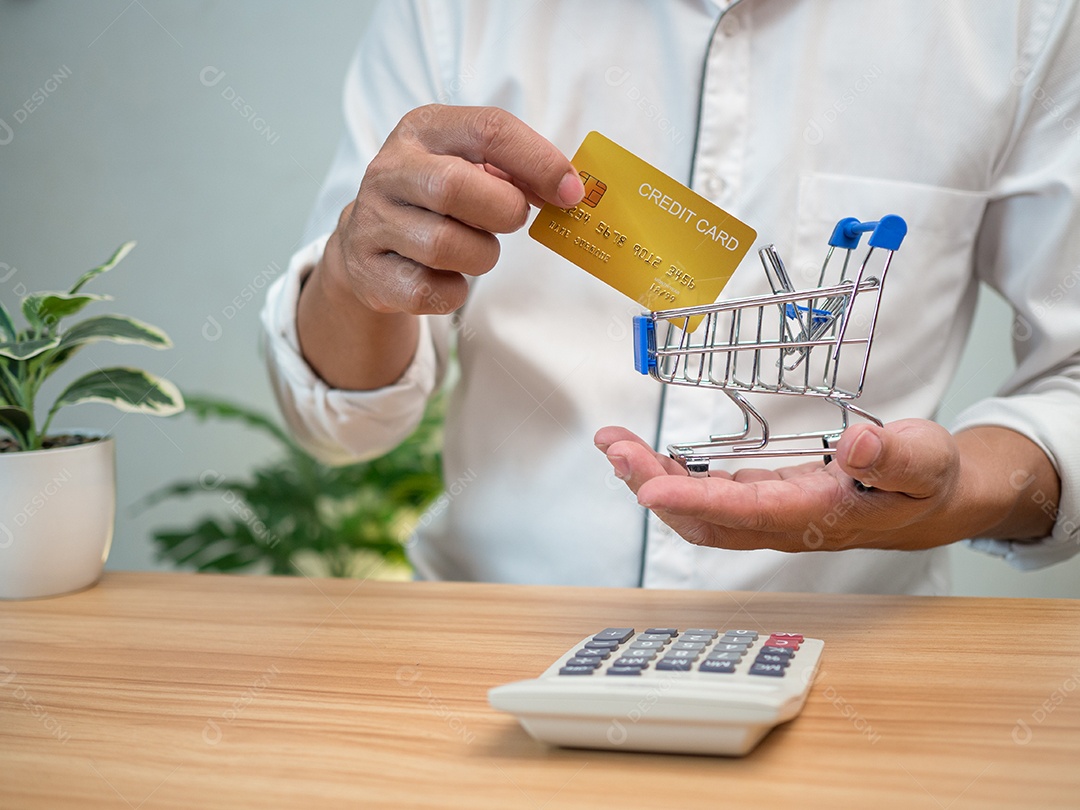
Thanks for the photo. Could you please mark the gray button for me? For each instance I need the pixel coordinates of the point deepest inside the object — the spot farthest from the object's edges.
(752, 634)
(601, 645)
(720, 647)
(688, 645)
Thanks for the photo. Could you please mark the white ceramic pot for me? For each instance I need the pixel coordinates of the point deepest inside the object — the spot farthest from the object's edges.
(57, 509)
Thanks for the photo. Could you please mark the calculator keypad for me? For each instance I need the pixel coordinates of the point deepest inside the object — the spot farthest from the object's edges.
(617, 651)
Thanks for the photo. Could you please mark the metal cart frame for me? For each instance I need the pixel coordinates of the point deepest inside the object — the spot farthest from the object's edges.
(812, 343)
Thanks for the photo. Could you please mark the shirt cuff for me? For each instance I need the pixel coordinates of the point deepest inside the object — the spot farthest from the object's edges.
(1047, 418)
(336, 426)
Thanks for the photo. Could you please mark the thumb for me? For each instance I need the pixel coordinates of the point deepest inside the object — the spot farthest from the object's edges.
(915, 457)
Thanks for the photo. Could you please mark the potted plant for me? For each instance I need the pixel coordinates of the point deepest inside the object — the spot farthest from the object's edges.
(293, 515)
(58, 492)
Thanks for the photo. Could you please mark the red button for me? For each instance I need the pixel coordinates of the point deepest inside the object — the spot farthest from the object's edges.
(788, 643)
(795, 636)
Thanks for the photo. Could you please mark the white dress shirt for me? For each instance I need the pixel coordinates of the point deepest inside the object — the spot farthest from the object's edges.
(961, 117)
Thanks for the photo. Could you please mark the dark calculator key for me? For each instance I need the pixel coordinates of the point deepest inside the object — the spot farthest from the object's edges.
(585, 652)
(725, 656)
(712, 665)
(637, 652)
(633, 661)
(751, 634)
(623, 670)
(665, 631)
(786, 651)
(691, 655)
(577, 671)
(619, 634)
(772, 658)
(678, 664)
(775, 670)
(692, 637)
(701, 631)
(583, 662)
(602, 645)
(645, 645)
(663, 638)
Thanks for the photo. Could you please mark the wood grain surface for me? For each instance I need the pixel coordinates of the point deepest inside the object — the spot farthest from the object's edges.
(182, 691)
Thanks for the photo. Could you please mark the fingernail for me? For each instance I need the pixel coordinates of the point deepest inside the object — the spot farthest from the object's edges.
(601, 446)
(570, 189)
(866, 451)
(622, 469)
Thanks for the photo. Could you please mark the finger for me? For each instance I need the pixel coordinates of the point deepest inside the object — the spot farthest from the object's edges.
(530, 195)
(913, 456)
(393, 283)
(607, 436)
(635, 463)
(435, 241)
(452, 186)
(491, 135)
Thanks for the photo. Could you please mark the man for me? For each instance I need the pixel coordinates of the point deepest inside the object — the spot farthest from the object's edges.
(790, 115)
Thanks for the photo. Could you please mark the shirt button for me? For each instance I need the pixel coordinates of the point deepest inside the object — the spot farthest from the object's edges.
(714, 186)
(729, 26)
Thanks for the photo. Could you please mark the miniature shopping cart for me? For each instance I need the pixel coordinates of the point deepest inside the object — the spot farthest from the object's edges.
(809, 343)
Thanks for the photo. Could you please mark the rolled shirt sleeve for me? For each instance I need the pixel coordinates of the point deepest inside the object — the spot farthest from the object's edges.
(339, 427)
(1029, 251)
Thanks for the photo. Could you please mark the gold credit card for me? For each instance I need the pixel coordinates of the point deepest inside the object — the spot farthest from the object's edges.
(645, 234)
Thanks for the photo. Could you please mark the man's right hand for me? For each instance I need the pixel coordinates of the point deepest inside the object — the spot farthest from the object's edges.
(444, 183)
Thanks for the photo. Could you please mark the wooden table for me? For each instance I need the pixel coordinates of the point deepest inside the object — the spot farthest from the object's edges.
(182, 691)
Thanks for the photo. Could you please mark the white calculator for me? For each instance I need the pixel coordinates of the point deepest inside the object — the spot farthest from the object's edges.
(693, 691)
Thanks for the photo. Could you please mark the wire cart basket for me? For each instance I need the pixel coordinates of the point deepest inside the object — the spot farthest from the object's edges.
(811, 343)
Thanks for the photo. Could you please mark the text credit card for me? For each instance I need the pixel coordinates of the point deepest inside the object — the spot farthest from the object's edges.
(645, 234)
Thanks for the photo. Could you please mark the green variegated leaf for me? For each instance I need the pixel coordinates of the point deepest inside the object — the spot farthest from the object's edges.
(115, 328)
(47, 309)
(114, 260)
(25, 349)
(17, 422)
(7, 326)
(128, 389)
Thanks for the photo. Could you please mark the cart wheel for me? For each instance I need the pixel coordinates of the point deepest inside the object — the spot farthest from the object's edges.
(697, 468)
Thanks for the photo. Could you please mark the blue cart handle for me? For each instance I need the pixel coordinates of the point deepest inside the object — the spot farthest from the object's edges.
(887, 233)
(644, 343)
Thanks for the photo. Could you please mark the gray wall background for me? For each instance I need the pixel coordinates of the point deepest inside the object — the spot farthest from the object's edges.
(138, 137)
